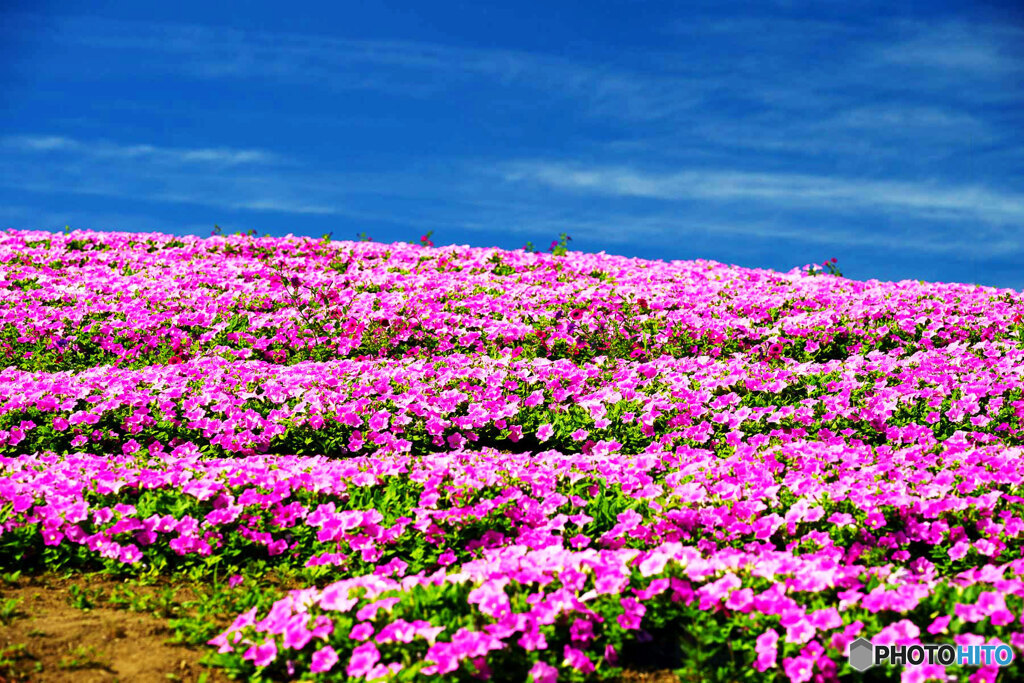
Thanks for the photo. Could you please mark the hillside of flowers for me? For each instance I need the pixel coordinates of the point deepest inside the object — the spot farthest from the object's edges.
(509, 465)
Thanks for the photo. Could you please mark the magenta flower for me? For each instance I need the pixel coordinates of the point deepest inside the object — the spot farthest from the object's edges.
(52, 536)
(363, 659)
(262, 655)
(766, 647)
(335, 597)
(959, 550)
(543, 672)
(799, 669)
(740, 600)
(323, 659)
(632, 615)
(361, 631)
(939, 624)
(296, 633)
(578, 660)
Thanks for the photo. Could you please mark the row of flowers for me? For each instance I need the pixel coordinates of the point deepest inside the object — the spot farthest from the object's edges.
(89, 299)
(346, 407)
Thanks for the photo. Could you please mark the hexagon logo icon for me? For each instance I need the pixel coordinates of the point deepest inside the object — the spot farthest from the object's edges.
(862, 654)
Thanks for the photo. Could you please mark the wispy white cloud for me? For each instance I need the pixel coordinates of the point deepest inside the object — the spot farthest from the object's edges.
(912, 118)
(972, 47)
(466, 196)
(923, 200)
(245, 179)
(744, 235)
(105, 149)
(805, 71)
(226, 178)
(402, 68)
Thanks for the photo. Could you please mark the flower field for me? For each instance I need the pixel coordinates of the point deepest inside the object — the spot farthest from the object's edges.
(463, 463)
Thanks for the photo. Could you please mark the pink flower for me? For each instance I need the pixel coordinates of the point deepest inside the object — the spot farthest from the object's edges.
(799, 669)
(324, 659)
(543, 673)
(129, 554)
(874, 520)
(924, 672)
(322, 627)
(740, 600)
(582, 630)
(826, 619)
(959, 549)
(579, 541)
(901, 632)
(717, 590)
(533, 639)
(800, 632)
(379, 420)
(262, 655)
(296, 634)
(993, 605)
(939, 625)
(443, 657)
(577, 660)
(370, 611)
(427, 632)
(52, 536)
(399, 631)
(632, 615)
(361, 631)
(363, 659)
(536, 398)
(766, 647)
(335, 597)
(491, 599)
(544, 432)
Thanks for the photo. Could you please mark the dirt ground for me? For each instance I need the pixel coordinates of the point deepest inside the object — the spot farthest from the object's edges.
(47, 640)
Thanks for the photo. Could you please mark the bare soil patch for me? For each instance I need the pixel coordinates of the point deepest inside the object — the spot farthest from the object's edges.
(47, 640)
(50, 637)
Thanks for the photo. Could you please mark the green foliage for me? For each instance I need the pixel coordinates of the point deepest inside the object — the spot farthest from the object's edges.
(84, 598)
(82, 657)
(561, 247)
(10, 609)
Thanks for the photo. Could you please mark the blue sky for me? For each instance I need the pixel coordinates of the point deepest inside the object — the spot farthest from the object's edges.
(771, 134)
